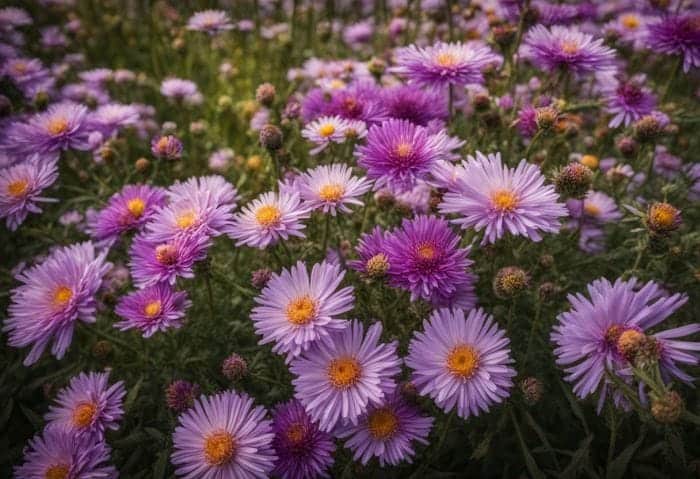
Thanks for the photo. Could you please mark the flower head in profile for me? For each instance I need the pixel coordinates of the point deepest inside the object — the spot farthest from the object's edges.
(490, 196)
(303, 451)
(21, 188)
(296, 308)
(332, 188)
(325, 130)
(89, 405)
(461, 363)
(52, 297)
(677, 35)
(627, 100)
(417, 105)
(154, 262)
(340, 375)
(373, 258)
(180, 90)
(210, 21)
(168, 147)
(596, 208)
(152, 309)
(224, 435)
(445, 64)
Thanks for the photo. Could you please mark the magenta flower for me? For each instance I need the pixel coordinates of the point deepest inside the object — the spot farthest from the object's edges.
(154, 262)
(152, 309)
(677, 35)
(21, 188)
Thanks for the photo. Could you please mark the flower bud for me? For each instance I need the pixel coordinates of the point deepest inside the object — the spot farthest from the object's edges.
(547, 291)
(142, 164)
(546, 261)
(253, 162)
(265, 94)
(532, 389)
(180, 395)
(292, 110)
(271, 137)
(546, 117)
(573, 180)
(102, 349)
(377, 266)
(627, 146)
(481, 102)
(167, 147)
(376, 66)
(234, 367)
(260, 277)
(510, 281)
(647, 129)
(662, 218)
(591, 161)
(668, 408)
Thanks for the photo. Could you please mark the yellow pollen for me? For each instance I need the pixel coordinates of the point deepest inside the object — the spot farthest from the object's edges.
(162, 143)
(136, 207)
(326, 130)
(301, 310)
(19, 67)
(166, 254)
(17, 188)
(336, 84)
(296, 433)
(462, 361)
(628, 341)
(331, 192)
(219, 448)
(57, 471)
(382, 423)
(57, 126)
(446, 59)
(613, 333)
(403, 150)
(268, 215)
(426, 251)
(504, 200)
(590, 161)
(631, 22)
(344, 372)
(185, 219)
(662, 215)
(591, 209)
(62, 295)
(569, 47)
(152, 308)
(84, 414)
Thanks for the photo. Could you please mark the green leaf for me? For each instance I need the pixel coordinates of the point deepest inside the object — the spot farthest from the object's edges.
(132, 394)
(530, 462)
(31, 416)
(6, 412)
(618, 467)
(160, 465)
(575, 407)
(579, 459)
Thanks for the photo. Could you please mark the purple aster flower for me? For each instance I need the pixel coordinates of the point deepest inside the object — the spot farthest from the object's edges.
(323, 131)
(303, 451)
(566, 49)
(499, 199)
(627, 100)
(387, 431)
(332, 187)
(155, 262)
(109, 118)
(269, 218)
(168, 147)
(59, 454)
(129, 209)
(224, 435)
(445, 64)
(21, 187)
(296, 309)
(677, 35)
(358, 34)
(222, 194)
(220, 160)
(343, 373)
(630, 28)
(180, 90)
(210, 21)
(52, 297)
(595, 208)
(461, 362)
(398, 153)
(96, 76)
(359, 101)
(373, 259)
(693, 173)
(526, 122)
(587, 338)
(28, 74)
(425, 259)
(180, 395)
(667, 165)
(89, 405)
(60, 127)
(11, 17)
(152, 309)
(417, 105)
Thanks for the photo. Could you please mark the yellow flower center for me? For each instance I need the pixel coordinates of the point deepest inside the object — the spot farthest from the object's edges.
(62, 295)
(570, 47)
(631, 22)
(268, 215)
(296, 433)
(152, 308)
(662, 215)
(331, 192)
(57, 471)
(57, 126)
(382, 423)
(446, 59)
(219, 448)
(84, 414)
(377, 265)
(17, 188)
(504, 200)
(462, 361)
(628, 342)
(20, 67)
(326, 130)
(591, 209)
(613, 333)
(185, 219)
(136, 207)
(426, 251)
(301, 310)
(336, 84)
(590, 161)
(166, 254)
(403, 150)
(162, 143)
(254, 162)
(344, 372)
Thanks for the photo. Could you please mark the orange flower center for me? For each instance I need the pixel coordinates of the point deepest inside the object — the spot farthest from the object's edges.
(57, 126)
(185, 219)
(301, 310)
(331, 192)
(344, 372)
(162, 144)
(17, 188)
(446, 59)
(462, 361)
(663, 215)
(403, 150)
(296, 433)
(83, 414)
(569, 47)
(382, 423)
(326, 130)
(166, 254)
(219, 448)
(631, 22)
(136, 207)
(153, 308)
(504, 200)
(268, 215)
(590, 161)
(62, 295)
(19, 67)
(591, 209)
(57, 471)
(426, 251)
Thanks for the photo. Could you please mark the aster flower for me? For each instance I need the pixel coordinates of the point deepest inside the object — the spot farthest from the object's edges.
(677, 35)
(89, 405)
(296, 309)
(343, 373)
(361, 100)
(373, 259)
(21, 187)
(52, 297)
(180, 90)
(129, 209)
(303, 451)
(627, 100)
(224, 435)
(462, 363)
(332, 187)
(269, 218)
(445, 64)
(152, 309)
(109, 118)
(180, 395)
(12, 17)
(323, 131)
(28, 74)
(155, 262)
(492, 197)
(566, 49)
(588, 338)
(419, 106)
(57, 454)
(210, 21)
(424, 259)
(387, 431)
(168, 147)
(630, 28)
(398, 153)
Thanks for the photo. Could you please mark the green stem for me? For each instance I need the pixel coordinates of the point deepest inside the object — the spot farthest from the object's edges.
(326, 233)
(671, 77)
(533, 329)
(532, 143)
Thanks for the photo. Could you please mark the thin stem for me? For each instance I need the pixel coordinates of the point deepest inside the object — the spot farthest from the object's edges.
(533, 329)
(532, 143)
(103, 335)
(326, 233)
(672, 75)
(450, 20)
(450, 100)
(210, 293)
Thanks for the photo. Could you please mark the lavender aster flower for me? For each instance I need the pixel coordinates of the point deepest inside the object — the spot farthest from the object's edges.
(168, 147)
(11, 17)
(21, 187)
(677, 35)
(373, 259)
(52, 297)
(462, 363)
(155, 262)
(180, 90)
(88, 406)
(627, 100)
(387, 431)
(210, 21)
(332, 187)
(303, 451)
(325, 130)
(417, 105)
(152, 309)
(109, 118)
(342, 374)
(493, 197)
(224, 435)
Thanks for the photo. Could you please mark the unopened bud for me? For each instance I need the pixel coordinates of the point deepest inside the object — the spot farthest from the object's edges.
(574, 180)
(260, 277)
(234, 367)
(546, 117)
(271, 137)
(265, 94)
(510, 281)
(627, 146)
(668, 408)
(663, 218)
(532, 389)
